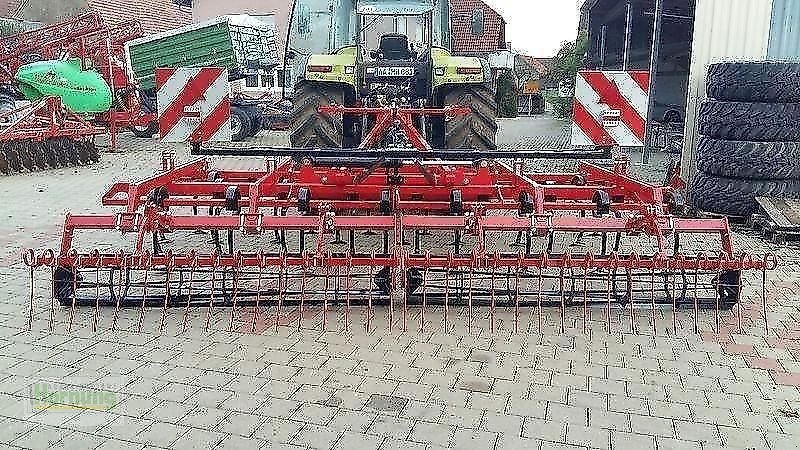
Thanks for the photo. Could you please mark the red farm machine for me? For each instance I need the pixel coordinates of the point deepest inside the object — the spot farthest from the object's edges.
(460, 235)
(63, 69)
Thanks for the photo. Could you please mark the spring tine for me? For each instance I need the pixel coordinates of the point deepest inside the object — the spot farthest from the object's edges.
(284, 272)
(739, 303)
(674, 301)
(629, 280)
(653, 299)
(696, 305)
(235, 294)
(539, 294)
(146, 259)
(192, 269)
(210, 309)
(404, 286)
(447, 290)
(303, 281)
(259, 285)
(370, 310)
(347, 289)
(493, 300)
(170, 267)
(122, 265)
(425, 275)
(764, 294)
(96, 316)
(325, 299)
(563, 294)
(589, 261)
(717, 324)
(516, 296)
(52, 290)
(608, 301)
(77, 259)
(469, 294)
(30, 260)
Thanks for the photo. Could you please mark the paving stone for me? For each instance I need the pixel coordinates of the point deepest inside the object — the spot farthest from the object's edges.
(432, 433)
(278, 430)
(569, 414)
(397, 428)
(654, 426)
(204, 417)
(698, 432)
(473, 439)
(161, 434)
(534, 428)
(621, 439)
(240, 424)
(736, 437)
(351, 440)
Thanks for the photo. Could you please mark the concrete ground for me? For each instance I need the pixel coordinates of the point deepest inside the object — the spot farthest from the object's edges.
(345, 389)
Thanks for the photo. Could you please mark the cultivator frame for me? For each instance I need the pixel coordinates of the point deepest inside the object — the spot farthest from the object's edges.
(399, 199)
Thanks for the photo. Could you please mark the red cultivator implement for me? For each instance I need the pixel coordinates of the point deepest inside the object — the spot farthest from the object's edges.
(328, 234)
(45, 135)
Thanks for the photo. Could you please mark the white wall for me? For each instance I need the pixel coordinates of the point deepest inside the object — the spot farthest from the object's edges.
(725, 30)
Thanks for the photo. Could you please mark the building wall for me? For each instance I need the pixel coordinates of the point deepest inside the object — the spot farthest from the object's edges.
(725, 30)
(208, 9)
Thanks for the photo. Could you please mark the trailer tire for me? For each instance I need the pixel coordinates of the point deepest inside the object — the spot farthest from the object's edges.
(743, 159)
(240, 124)
(741, 121)
(478, 130)
(256, 120)
(736, 196)
(769, 82)
(309, 128)
(148, 107)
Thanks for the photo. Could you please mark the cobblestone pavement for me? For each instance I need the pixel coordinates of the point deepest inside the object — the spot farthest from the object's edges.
(308, 389)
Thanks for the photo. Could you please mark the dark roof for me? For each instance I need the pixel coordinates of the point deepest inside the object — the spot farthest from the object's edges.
(155, 15)
(465, 42)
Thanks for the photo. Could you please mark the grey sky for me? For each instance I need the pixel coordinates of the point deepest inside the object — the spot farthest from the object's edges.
(537, 27)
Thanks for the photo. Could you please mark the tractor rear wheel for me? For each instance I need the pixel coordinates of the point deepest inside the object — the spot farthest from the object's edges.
(309, 127)
(477, 130)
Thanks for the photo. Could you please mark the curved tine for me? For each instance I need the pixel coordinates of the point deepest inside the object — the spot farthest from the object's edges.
(123, 263)
(193, 263)
(76, 258)
(567, 264)
(215, 264)
(678, 261)
(95, 254)
(282, 274)
(717, 318)
(698, 265)
(613, 260)
(493, 306)
(29, 258)
(658, 261)
(370, 311)
(237, 268)
(544, 263)
(303, 286)
(325, 299)
(425, 276)
(520, 257)
(347, 284)
(262, 263)
(447, 291)
(473, 267)
(635, 263)
(588, 264)
(764, 291)
(170, 266)
(146, 260)
(49, 259)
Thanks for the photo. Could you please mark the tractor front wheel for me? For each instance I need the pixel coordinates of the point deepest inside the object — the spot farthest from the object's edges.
(478, 130)
(311, 128)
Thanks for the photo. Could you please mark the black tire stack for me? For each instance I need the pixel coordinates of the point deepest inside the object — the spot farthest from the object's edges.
(750, 144)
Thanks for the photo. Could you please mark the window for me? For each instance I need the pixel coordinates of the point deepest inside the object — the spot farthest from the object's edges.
(477, 22)
(281, 78)
(252, 81)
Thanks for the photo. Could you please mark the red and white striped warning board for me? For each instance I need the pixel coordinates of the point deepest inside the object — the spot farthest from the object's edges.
(610, 108)
(194, 104)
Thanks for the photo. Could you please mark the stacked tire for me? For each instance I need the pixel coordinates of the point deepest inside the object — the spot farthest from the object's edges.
(750, 144)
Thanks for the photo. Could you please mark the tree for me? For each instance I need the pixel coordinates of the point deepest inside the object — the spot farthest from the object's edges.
(564, 72)
(507, 95)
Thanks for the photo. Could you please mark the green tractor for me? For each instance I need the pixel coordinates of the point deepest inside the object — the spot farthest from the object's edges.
(383, 53)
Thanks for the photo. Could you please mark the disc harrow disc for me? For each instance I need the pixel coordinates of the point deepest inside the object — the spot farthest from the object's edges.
(12, 155)
(26, 156)
(5, 169)
(50, 151)
(39, 152)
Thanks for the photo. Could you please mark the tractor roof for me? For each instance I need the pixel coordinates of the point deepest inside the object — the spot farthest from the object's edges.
(394, 7)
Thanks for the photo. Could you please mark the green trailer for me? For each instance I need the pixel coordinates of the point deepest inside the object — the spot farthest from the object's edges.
(241, 43)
